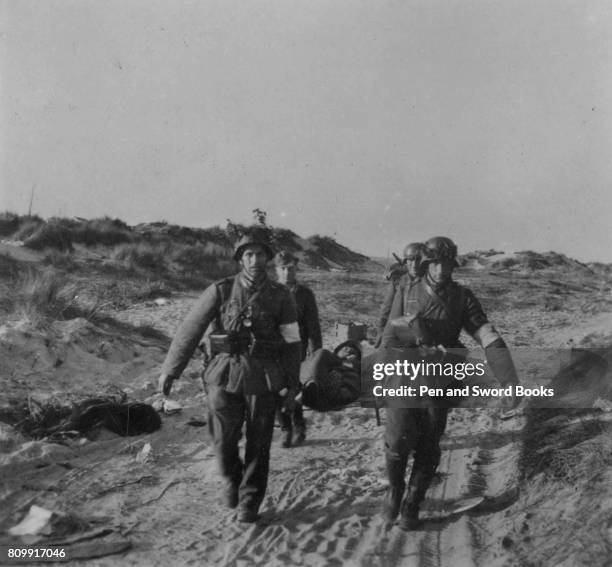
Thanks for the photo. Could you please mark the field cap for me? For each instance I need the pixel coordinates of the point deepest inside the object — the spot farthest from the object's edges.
(285, 258)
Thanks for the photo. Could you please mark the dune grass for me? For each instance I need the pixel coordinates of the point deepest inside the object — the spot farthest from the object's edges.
(44, 296)
(142, 255)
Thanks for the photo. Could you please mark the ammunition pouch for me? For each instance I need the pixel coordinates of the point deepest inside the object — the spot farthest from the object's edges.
(230, 343)
(237, 343)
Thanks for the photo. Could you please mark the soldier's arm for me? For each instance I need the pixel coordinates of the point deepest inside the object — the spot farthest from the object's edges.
(488, 337)
(395, 271)
(313, 326)
(291, 349)
(190, 332)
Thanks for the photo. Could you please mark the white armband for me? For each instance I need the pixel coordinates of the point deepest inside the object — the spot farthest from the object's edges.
(486, 335)
(290, 332)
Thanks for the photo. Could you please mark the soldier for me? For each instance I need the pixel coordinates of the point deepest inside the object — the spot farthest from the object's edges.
(443, 308)
(255, 345)
(293, 425)
(408, 271)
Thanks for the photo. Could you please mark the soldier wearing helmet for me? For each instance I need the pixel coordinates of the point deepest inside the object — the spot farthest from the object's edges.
(442, 308)
(293, 424)
(255, 346)
(399, 275)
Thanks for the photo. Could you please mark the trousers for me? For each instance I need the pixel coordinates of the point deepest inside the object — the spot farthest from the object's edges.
(418, 430)
(293, 421)
(227, 414)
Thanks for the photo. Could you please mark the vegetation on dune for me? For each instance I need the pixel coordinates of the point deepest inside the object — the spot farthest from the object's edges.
(9, 267)
(11, 222)
(141, 255)
(104, 231)
(39, 296)
(43, 296)
(62, 233)
(158, 245)
(27, 227)
(61, 260)
(50, 235)
(337, 253)
(115, 264)
(565, 462)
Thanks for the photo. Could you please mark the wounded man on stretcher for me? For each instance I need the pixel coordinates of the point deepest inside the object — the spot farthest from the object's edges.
(332, 380)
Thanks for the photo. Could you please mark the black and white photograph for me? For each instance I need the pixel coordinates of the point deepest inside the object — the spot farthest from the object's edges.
(311, 284)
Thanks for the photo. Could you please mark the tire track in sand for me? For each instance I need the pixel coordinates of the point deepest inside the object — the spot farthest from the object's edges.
(324, 500)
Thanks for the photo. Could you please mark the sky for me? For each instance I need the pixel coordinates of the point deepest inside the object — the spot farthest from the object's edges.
(376, 122)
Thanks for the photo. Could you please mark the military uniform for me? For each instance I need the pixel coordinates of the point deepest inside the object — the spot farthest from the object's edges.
(385, 310)
(294, 424)
(443, 310)
(308, 319)
(256, 354)
(399, 275)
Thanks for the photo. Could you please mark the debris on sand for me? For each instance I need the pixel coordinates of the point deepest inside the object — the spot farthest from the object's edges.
(75, 535)
(35, 522)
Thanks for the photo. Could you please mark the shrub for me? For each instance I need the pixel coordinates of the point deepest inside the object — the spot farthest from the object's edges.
(286, 239)
(9, 223)
(506, 263)
(61, 260)
(9, 267)
(210, 261)
(27, 228)
(45, 296)
(104, 231)
(145, 255)
(50, 235)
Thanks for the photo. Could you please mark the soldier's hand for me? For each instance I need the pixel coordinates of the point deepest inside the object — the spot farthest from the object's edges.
(378, 341)
(289, 401)
(164, 384)
(509, 403)
(395, 271)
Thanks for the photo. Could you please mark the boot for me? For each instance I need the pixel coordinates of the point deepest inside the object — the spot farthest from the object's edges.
(299, 437)
(247, 515)
(393, 501)
(299, 426)
(287, 434)
(396, 470)
(232, 487)
(410, 509)
(231, 495)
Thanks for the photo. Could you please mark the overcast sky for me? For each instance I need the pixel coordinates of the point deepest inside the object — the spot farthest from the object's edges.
(376, 122)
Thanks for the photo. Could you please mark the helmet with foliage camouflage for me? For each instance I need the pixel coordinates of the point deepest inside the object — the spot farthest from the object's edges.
(440, 248)
(250, 239)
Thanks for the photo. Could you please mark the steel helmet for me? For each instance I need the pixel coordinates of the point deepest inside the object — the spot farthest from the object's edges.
(440, 248)
(414, 250)
(249, 239)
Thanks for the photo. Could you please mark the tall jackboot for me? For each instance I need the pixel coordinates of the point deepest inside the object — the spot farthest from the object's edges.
(417, 487)
(409, 519)
(396, 472)
(284, 419)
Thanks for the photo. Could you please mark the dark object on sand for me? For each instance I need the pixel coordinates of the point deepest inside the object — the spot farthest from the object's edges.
(120, 418)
